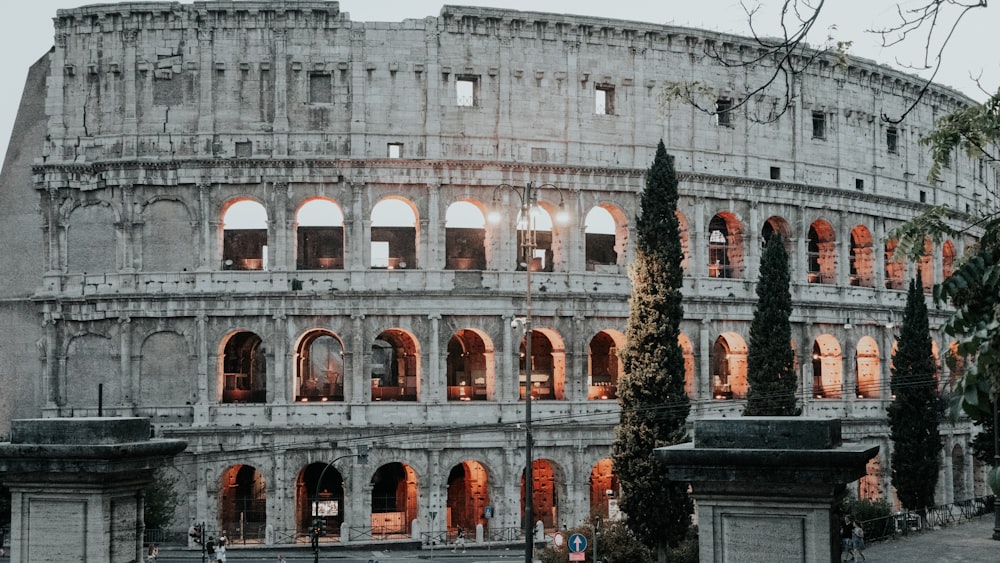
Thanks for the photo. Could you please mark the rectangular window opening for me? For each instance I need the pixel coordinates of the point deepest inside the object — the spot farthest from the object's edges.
(859, 184)
(467, 91)
(604, 99)
(892, 140)
(320, 88)
(819, 125)
(723, 112)
(775, 173)
(923, 196)
(395, 150)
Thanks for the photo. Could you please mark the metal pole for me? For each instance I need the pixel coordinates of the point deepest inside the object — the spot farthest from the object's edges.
(996, 463)
(528, 244)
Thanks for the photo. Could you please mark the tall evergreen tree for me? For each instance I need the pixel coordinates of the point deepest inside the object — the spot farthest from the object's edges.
(916, 409)
(770, 359)
(651, 390)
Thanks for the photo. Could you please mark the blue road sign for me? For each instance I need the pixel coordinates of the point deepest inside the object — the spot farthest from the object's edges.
(577, 543)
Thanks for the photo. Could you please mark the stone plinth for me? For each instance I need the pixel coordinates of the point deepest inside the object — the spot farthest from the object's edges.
(77, 487)
(766, 488)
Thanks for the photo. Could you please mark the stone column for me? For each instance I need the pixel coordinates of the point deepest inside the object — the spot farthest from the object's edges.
(435, 388)
(129, 377)
(201, 416)
(280, 88)
(80, 481)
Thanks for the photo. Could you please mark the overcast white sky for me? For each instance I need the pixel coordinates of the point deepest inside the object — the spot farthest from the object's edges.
(26, 31)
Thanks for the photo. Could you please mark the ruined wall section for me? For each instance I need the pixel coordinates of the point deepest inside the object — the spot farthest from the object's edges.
(300, 80)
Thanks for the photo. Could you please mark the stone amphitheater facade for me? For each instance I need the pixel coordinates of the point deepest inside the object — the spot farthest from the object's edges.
(263, 225)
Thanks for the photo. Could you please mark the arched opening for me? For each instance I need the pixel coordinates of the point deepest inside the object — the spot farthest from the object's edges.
(395, 365)
(242, 502)
(959, 492)
(470, 367)
(827, 367)
(725, 247)
(465, 237)
(862, 257)
(947, 259)
(548, 366)
(468, 495)
(319, 234)
(926, 266)
(543, 256)
(244, 236)
(776, 226)
(687, 349)
(601, 236)
(319, 366)
(319, 500)
(868, 369)
(603, 490)
(544, 493)
(394, 499)
(394, 235)
(822, 253)
(685, 234)
(603, 365)
(244, 369)
(729, 367)
(894, 270)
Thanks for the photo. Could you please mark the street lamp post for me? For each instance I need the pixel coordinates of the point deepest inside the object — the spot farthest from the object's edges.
(362, 456)
(528, 197)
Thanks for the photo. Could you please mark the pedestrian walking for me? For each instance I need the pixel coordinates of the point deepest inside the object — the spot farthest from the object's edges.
(152, 553)
(847, 540)
(858, 540)
(459, 539)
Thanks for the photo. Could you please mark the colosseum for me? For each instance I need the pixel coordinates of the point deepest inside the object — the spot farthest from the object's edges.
(265, 226)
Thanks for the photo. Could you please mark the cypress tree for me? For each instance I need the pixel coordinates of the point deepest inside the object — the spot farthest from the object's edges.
(916, 408)
(651, 389)
(770, 359)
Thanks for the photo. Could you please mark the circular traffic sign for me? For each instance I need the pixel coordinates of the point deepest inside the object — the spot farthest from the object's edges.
(577, 543)
(557, 539)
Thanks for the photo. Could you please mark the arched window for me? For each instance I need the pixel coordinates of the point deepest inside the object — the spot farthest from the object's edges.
(827, 365)
(319, 228)
(548, 366)
(894, 270)
(242, 499)
(470, 370)
(465, 237)
(323, 500)
(869, 371)
(729, 367)
(394, 499)
(822, 248)
(947, 259)
(600, 232)
(244, 367)
(725, 247)
(468, 495)
(542, 256)
(395, 361)
(862, 257)
(604, 366)
(927, 266)
(244, 236)
(320, 373)
(394, 235)
(776, 226)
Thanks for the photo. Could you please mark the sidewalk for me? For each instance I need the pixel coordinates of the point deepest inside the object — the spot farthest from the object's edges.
(969, 542)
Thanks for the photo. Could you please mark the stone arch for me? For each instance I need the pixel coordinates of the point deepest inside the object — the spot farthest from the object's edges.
(242, 501)
(468, 495)
(548, 365)
(244, 235)
(606, 233)
(729, 367)
(603, 367)
(827, 367)
(319, 235)
(394, 499)
(894, 269)
(685, 233)
(319, 367)
(947, 259)
(395, 366)
(777, 225)
(870, 485)
(166, 377)
(470, 366)
(165, 222)
(547, 489)
(926, 266)
(93, 372)
(821, 253)
(323, 500)
(395, 234)
(725, 246)
(91, 239)
(862, 269)
(465, 236)
(868, 369)
(243, 368)
(603, 488)
(687, 350)
(956, 365)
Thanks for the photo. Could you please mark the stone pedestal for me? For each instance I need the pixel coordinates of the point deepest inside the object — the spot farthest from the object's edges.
(77, 487)
(767, 488)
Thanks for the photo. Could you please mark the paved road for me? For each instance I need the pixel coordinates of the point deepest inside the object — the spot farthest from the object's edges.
(970, 542)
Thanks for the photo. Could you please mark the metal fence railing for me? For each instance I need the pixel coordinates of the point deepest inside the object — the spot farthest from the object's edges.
(912, 522)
